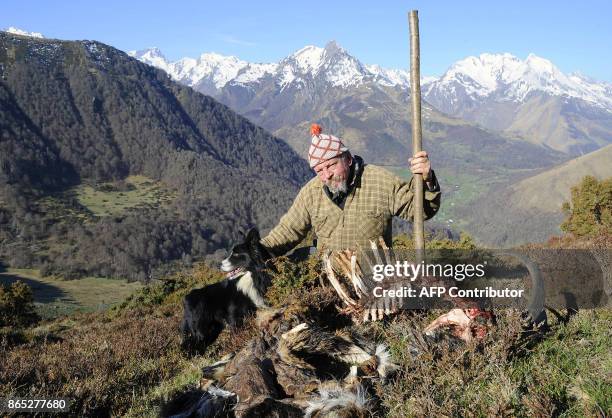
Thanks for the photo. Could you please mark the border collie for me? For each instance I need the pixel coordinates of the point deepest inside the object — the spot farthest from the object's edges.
(209, 309)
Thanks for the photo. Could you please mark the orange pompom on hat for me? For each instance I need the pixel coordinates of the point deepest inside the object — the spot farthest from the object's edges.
(323, 147)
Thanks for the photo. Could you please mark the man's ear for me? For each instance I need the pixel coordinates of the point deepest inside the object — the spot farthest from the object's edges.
(350, 159)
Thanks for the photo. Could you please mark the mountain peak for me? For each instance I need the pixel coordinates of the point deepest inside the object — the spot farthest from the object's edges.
(510, 78)
(486, 67)
(308, 58)
(491, 79)
(333, 63)
(216, 57)
(340, 68)
(152, 52)
(152, 56)
(17, 31)
(333, 47)
(542, 66)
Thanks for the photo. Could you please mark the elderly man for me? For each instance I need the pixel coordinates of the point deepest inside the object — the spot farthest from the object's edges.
(349, 202)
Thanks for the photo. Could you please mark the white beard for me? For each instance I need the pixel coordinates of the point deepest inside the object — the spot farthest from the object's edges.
(340, 187)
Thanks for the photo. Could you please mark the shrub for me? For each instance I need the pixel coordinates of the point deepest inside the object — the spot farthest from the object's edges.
(465, 242)
(589, 211)
(172, 289)
(17, 305)
(290, 276)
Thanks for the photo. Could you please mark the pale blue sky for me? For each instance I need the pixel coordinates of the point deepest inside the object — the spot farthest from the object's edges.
(575, 36)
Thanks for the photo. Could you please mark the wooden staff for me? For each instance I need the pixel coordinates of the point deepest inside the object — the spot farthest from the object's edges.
(415, 93)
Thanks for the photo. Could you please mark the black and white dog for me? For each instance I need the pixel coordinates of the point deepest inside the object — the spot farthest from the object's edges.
(209, 309)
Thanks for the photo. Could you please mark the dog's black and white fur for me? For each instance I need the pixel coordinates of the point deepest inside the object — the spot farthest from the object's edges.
(209, 309)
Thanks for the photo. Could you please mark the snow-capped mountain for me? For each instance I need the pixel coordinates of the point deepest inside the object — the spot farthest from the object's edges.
(209, 72)
(501, 77)
(17, 31)
(506, 77)
(531, 98)
(152, 56)
(332, 64)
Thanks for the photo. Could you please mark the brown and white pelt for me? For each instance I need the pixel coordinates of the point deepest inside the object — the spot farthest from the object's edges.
(335, 400)
(304, 342)
(201, 403)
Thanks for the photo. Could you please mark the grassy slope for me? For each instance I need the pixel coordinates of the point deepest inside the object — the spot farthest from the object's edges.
(55, 297)
(567, 374)
(127, 361)
(530, 210)
(548, 190)
(99, 200)
(462, 188)
(107, 199)
(143, 191)
(105, 362)
(562, 126)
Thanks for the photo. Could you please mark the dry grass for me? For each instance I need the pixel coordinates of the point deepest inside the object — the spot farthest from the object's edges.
(128, 362)
(98, 365)
(553, 377)
(105, 363)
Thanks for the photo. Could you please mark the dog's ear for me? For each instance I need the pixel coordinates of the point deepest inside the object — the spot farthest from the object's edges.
(252, 235)
(258, 251)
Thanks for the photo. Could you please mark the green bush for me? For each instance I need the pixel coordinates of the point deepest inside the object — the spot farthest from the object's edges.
(465, 242)
(17, 305)
(288, 277)
(589, 212)
(171, 289)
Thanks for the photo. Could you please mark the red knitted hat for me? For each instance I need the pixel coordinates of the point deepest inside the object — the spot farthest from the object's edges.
(323, 147)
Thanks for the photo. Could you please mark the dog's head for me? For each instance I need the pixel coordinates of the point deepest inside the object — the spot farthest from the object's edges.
(247, 255)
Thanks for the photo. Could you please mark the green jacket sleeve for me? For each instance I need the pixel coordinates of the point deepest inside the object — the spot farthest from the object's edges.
(402, 204)
(291, 229)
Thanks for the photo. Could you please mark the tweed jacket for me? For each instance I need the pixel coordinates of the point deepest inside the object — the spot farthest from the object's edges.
(374, 199)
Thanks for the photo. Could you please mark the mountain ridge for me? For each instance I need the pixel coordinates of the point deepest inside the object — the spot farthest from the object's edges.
(529, 99)
(491, 73)
(309, 59)
(82, 112)
(509, 78)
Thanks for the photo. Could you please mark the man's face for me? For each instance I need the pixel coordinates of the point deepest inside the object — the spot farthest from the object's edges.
(334, 173)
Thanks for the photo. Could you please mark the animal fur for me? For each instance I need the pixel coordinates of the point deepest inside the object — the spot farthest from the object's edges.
(207, 311)
(299, 364)
(212, 402)
(339, 401)
(306, 346)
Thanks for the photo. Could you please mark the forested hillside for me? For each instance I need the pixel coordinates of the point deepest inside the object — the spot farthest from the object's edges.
(83, 113)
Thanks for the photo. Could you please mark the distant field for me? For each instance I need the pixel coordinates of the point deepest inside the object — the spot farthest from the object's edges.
(460, 189)
(54, 297)
(109, 199)
(106, 199)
